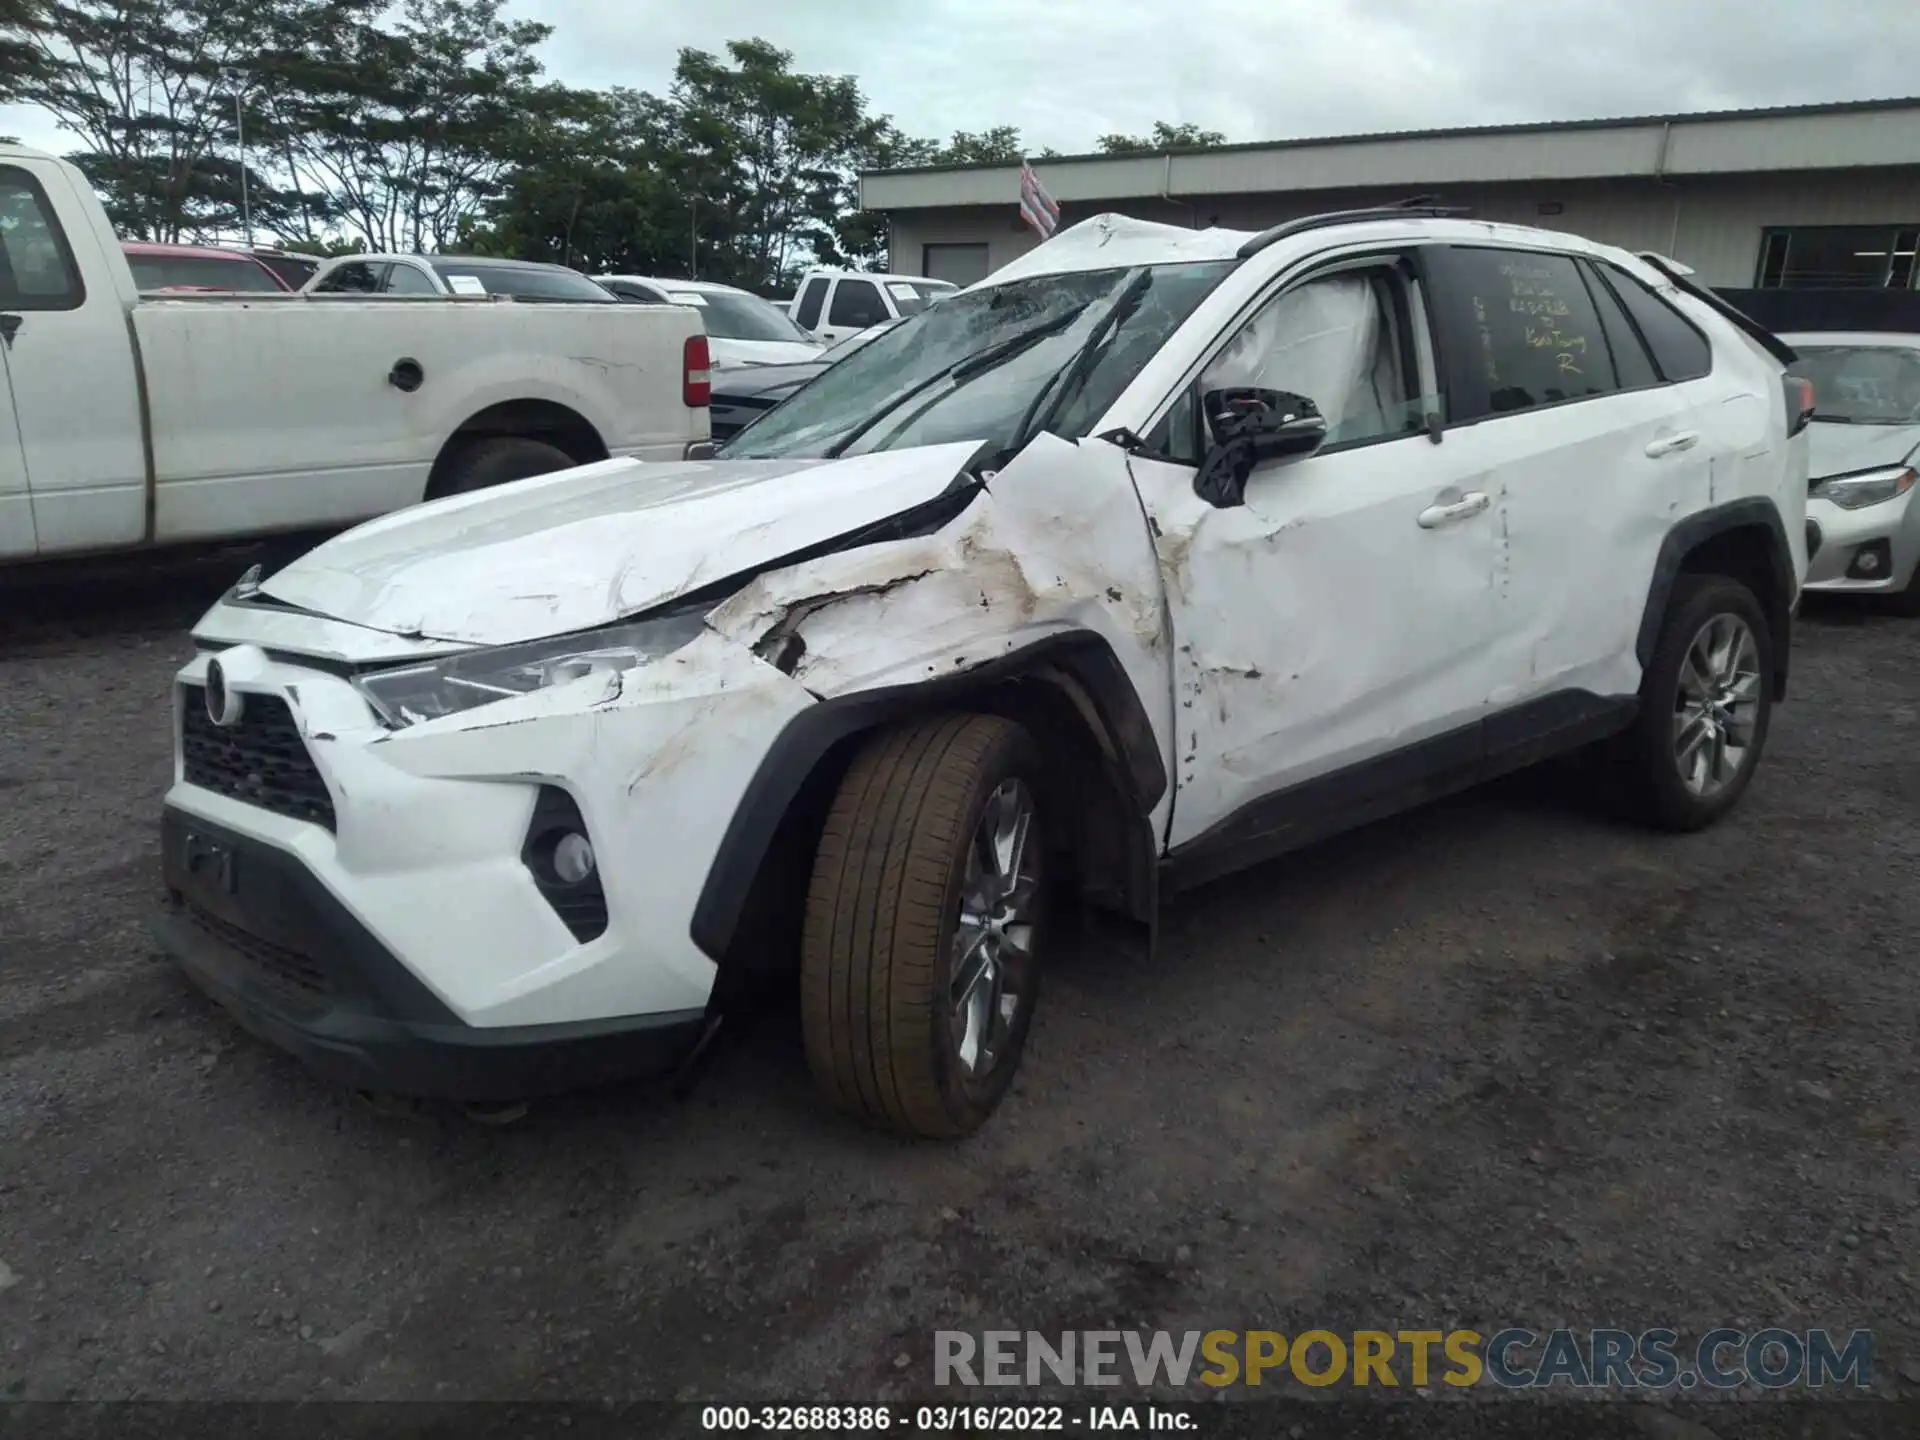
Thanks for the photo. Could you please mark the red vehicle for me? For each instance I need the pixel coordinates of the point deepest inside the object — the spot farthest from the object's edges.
(201, 268)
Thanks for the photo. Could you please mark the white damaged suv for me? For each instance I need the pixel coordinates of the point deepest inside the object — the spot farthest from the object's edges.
(1154, 555)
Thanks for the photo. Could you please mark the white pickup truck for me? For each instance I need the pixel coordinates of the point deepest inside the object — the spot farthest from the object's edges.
(131, 421)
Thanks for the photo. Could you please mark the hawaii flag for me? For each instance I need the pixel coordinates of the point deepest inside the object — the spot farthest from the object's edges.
(1037, 207)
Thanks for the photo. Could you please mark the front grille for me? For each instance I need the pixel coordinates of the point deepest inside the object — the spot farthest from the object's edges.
(261, 760)
(295, 979)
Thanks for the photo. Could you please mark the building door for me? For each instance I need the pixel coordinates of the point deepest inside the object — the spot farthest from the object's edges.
(960, 265)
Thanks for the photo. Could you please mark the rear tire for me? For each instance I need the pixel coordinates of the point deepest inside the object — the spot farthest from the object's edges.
(1706, 701)
(919, 956)
(499, 461)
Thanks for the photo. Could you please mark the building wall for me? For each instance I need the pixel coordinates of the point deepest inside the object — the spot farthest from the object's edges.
(1713, 223)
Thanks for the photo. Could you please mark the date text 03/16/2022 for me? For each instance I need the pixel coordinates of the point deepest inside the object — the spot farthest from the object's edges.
(947, 1419)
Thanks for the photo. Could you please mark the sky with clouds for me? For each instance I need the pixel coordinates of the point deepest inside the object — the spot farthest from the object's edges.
(1067, 71)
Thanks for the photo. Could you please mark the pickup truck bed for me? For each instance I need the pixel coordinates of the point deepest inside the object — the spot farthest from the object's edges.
(130, 421)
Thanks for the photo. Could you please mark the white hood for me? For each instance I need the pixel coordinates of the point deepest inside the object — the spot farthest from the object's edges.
(1835, 449)
(585, 547)
(731, 354)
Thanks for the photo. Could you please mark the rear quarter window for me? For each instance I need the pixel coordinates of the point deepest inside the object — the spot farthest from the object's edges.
(1680, 352)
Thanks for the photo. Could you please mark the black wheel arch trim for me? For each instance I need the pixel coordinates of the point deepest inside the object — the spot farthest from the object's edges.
(1686, 536)
(1086, 659)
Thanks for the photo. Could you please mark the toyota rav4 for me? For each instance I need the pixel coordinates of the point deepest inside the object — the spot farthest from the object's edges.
(1156, 554)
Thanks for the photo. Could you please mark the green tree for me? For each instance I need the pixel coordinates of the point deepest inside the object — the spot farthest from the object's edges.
(595, 188)
(1164, 137)
(149, 88)
(408, 125)
(21, 59)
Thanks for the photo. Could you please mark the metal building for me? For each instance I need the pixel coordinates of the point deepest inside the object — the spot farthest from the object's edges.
(1815, 196)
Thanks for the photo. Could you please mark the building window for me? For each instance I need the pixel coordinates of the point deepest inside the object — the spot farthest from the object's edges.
(1839, 257)
(960, 265)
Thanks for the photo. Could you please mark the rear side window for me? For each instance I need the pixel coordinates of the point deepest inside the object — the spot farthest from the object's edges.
(406, 280)
(1679, 351)
(857, 303)
(1518, 331)
(36, 266)
(811, 299)
(1630, 359)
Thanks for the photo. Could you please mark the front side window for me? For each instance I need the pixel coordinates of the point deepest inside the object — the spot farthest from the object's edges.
(811, 299)
(1518, 331)
(1862, 384)
(354, 277)
(1340, 342)
(36, 267)
(857, 303)
(990, 365)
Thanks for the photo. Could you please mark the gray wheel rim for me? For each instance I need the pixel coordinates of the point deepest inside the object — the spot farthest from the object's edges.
(1717, 708)
(991, 975)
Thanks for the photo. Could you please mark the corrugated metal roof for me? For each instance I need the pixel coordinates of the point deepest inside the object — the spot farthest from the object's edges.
(1532, 127)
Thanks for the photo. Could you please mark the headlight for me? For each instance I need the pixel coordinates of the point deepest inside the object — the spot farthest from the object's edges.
(1871, 487)
(415, 693)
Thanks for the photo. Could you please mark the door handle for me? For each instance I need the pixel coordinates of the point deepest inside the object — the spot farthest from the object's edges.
(1471, 503)
(9, 327)
(1668, 444)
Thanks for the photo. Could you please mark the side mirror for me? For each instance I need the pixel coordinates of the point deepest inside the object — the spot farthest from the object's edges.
(1248, 426)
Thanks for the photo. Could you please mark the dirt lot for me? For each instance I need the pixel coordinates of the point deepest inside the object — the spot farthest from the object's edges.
(1505, 1061)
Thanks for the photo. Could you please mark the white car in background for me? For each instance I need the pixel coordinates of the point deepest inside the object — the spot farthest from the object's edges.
(742, 329)
(1865, 453)
(528, 281)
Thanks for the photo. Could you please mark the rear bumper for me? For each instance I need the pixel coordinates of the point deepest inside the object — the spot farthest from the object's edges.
(252, 927)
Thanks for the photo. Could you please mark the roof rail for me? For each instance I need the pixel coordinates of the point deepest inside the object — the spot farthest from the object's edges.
(1416, 206)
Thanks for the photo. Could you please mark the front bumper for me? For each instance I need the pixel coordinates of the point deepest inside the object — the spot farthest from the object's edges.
(1894, 526)
(253, 928)
(371, 899)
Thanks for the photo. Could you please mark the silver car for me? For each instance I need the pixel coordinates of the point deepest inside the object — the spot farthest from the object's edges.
(1865, 449)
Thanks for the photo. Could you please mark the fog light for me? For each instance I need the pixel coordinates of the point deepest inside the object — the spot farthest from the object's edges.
(573, 858)
(1871, 561)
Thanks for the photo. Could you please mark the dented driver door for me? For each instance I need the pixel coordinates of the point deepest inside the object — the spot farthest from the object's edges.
(1330, 633)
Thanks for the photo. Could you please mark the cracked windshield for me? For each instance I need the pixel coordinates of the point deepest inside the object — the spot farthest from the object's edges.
(991, 365)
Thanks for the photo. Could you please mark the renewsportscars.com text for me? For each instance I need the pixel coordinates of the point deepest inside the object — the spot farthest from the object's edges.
(1513, 1358)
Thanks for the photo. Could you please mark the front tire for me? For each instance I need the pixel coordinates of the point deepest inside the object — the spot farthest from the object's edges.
(1706, 701)
(919, 953)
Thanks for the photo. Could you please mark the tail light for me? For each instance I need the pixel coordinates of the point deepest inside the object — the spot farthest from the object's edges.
(1799, 398)
(696, 382)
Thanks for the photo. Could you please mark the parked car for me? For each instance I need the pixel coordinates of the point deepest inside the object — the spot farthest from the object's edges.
(1866, 449)
(744, 394)
(742, 329)
(830, 305)
(208, 416)
(159, 269)
(523, 280)
(1159, 554)
(290, 265)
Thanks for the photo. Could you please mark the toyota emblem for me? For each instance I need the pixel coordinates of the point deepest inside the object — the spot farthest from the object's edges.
(224, 703)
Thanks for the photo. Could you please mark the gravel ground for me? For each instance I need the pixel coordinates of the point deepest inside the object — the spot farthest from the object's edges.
(1504, 1061)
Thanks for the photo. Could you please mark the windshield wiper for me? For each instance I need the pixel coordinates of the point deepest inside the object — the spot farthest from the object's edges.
(961, 371)
(1073, 374)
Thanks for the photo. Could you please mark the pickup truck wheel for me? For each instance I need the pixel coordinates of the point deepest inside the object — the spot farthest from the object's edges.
(496, 461)
(1705, 703)
(919, 953)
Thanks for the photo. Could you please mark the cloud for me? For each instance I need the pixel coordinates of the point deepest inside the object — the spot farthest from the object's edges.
(1068, 71)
